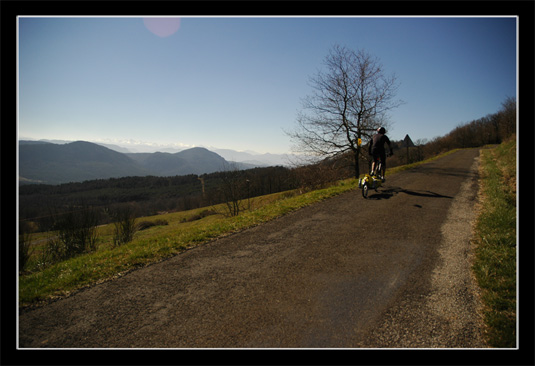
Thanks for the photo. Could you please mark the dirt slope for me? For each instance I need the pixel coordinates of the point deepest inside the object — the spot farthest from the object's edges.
(390, 271)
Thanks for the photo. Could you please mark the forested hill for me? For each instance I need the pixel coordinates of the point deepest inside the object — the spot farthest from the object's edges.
(48, 163)
(73, 162)
(40, 202)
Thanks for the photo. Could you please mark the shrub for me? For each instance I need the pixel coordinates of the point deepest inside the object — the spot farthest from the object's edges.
(76, 233)
(25, 250)
(146, 224)
(125, 224)
(201, 215)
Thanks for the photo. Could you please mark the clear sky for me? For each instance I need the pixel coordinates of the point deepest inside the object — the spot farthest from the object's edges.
(237, 82)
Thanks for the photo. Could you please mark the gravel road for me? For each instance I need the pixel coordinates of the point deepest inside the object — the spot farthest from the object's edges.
(392, 271)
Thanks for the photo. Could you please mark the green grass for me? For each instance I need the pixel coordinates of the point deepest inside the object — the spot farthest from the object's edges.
(495, 263)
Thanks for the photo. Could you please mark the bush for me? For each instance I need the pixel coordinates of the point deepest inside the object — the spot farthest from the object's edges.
(76, 233)
(147, 224)
(125, 224)
(25, 250)
(201, 215)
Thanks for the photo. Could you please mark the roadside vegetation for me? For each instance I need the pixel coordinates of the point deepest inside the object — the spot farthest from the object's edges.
(496, 243)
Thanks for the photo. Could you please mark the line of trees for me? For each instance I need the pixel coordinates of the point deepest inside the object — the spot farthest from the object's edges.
(40, 205)
(488, 130)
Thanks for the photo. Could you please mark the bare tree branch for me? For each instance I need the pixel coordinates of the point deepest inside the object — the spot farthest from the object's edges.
(349, 100)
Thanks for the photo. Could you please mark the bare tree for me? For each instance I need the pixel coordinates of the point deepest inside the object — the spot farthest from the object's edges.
(234, 188)
(350, 100)
(508, 118)
(76, 232)
(125, 224)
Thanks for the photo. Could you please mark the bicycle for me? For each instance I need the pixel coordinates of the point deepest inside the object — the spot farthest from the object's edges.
(373, 180)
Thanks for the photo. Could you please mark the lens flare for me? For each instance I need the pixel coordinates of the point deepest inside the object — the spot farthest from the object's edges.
(162, 27)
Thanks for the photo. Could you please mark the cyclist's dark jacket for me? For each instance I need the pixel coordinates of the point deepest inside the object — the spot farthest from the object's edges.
(377, 144)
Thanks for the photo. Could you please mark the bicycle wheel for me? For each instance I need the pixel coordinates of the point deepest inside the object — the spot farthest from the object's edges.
(365, 190)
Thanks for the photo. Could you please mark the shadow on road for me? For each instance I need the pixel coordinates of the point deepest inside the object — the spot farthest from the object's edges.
(390, 192)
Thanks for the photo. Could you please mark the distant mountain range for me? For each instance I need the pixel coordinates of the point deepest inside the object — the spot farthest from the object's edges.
(50, 163)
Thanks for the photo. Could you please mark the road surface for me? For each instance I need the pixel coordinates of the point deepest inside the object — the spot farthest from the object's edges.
(391, 271)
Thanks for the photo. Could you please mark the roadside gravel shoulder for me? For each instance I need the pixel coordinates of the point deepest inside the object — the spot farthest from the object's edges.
(449, 316)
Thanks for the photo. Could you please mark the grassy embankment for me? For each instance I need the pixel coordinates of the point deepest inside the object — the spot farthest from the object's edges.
(495, 262)
(160, 242)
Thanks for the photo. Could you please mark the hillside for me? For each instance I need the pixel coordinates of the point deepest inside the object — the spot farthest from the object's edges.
(73, 162)
(197, 160)
(49, 163)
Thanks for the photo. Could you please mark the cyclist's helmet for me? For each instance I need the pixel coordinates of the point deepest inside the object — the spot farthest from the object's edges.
(381, 130)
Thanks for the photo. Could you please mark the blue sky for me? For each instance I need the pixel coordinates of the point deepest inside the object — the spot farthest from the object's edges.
(237, 83)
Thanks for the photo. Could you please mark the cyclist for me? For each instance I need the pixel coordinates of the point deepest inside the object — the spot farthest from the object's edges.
(377, 150)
